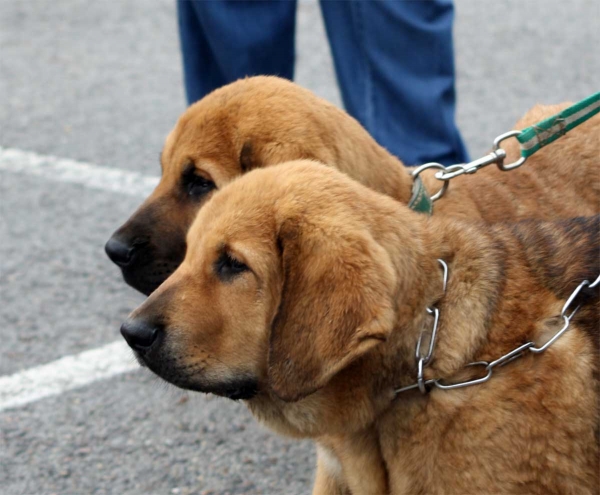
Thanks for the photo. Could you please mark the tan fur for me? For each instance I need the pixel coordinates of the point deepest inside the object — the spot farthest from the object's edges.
(263, 121)
(326, 318)
(281, 121)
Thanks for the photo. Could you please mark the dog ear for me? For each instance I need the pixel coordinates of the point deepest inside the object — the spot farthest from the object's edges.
(247, 158)
(336, 304)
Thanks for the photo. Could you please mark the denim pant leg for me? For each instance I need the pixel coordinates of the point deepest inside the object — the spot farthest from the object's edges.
(226, 40)
(395, 65)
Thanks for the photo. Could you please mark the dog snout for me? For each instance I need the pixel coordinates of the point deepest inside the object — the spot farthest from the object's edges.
(141, 335)
(121, 252)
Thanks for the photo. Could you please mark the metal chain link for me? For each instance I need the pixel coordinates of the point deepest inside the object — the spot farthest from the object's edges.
(501, 361)
(423, 359)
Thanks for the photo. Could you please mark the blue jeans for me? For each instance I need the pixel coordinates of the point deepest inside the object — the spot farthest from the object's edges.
(394, 63)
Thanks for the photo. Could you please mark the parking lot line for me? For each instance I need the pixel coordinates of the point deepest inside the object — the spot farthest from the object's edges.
(74, 172)
(73, 371)
(65, 374)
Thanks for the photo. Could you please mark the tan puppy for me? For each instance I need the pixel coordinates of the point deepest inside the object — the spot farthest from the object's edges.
(305, 293)
(263, 121)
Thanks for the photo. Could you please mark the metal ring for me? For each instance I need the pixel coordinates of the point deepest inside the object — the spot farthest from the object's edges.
(445, 268)
(497, 142)
(514, 354)
(435, 312)
(426, 383)
(416, 172)
(504, 136)
(595, 283)
(420, 380)
(573, 295)
(468, 383)
(537, 350)
(418, 348)
(436, 318)
(451, 172)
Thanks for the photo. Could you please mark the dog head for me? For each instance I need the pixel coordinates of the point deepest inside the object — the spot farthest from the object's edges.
(248, 124)
(283, 286)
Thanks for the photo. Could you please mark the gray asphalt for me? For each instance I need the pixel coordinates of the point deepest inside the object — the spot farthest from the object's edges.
(101, 82)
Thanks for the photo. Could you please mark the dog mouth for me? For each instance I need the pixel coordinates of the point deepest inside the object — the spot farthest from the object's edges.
(146, 278)
(139, 359)
(242, 388)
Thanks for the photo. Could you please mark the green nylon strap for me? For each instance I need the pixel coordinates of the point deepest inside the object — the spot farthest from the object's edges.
(545, 132)
(420, 200)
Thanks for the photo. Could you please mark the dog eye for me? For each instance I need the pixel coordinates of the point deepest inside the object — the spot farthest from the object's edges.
(196, 185)
(227, 267)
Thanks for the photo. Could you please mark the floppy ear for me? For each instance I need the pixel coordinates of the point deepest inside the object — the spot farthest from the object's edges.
(247, 159)
(336, 304)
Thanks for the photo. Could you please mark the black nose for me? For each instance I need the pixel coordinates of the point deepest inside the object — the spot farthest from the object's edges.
(139, 334)
(120, 252)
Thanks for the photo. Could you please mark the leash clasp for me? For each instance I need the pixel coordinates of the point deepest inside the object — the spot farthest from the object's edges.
(415, 174)
(497, 149)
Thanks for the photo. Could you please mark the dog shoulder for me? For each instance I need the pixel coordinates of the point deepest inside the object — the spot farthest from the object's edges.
(563, 254)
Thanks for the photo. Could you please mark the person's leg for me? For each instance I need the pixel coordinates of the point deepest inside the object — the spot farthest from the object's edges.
(227, 40)
(395, 64)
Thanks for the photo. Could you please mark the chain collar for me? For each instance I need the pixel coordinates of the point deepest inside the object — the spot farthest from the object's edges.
(422, 360)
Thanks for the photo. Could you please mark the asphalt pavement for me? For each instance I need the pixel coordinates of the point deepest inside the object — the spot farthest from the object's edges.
(100, 82)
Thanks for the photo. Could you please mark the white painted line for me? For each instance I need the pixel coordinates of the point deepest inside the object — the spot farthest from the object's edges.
(65, 374)
(71, 171)
(87, 367)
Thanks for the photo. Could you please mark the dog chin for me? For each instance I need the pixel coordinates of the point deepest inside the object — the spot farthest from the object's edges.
(244, 389)
(145, 285)
(146, 277)
(241, 389)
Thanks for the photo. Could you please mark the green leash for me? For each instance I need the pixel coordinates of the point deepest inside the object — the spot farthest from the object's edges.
(531, 140)
(537, 136)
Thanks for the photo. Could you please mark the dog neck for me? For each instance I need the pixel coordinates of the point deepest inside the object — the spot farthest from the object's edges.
(483, 313)
(467, 308)
(483, 316)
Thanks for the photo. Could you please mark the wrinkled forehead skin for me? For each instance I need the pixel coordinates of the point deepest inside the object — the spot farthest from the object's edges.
(240, 216)
(208, 145)
(247, 213)
(249, 124)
